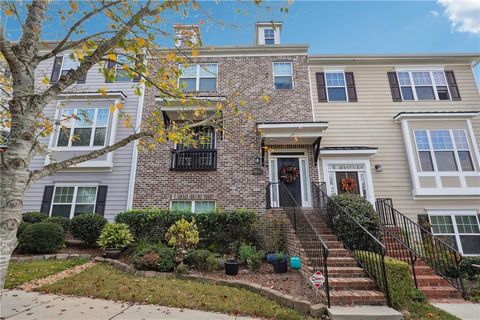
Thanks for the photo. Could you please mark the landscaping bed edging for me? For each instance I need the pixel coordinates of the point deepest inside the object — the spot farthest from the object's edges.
(58, 256)
(296, 303)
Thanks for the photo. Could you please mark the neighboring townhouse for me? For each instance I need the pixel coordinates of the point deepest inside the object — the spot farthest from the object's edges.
(102, 185)
(404, 127)
(233, 172)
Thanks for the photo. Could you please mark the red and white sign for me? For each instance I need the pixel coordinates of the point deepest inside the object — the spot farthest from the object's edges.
(317, 279)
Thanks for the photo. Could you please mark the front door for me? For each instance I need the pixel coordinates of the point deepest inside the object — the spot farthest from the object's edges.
(289, 175)
(347, 182)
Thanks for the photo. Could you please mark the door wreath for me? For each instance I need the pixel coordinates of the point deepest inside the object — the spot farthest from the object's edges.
(289, 174)
(348, 184)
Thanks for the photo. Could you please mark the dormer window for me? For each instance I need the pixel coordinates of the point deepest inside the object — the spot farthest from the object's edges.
(269, 36)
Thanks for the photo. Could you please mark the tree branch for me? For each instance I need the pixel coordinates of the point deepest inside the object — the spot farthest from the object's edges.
(31, 29)
(54, 167)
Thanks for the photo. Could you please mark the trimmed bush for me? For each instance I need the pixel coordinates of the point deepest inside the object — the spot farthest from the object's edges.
(42, 237)
(62, 221)
(399, 278)
(467, 268)
(34, 217)
(87, 227)
(201, 260)
(21, 227)
(216, 229)
(115, 236)
(250, 256)
(155, 257)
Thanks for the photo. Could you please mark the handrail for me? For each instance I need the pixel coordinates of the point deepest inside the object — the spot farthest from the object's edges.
(304, 229)
(436, 253)
(193, 159)
(366, 248)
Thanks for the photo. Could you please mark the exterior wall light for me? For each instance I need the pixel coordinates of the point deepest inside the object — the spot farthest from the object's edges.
(378, 168)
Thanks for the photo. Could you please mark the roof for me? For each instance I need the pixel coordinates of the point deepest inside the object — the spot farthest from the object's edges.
(392, 58)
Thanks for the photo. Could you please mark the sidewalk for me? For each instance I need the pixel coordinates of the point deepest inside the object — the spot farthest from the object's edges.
(17, 304)
(464, 311)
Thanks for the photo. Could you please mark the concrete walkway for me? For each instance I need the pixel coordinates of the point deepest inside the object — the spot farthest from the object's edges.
(17, 304)
(464, 311)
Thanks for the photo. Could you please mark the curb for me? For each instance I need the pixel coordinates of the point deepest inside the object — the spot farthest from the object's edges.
(58, 256)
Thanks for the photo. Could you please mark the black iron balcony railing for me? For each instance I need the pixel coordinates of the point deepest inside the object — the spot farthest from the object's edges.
(365, 247)
(437, 254)
(193, 160)
(279, 196)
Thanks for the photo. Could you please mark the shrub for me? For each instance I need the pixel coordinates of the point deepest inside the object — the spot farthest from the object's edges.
(182, 235)
(42, 237)
(201, 260)
(468, 269)
(361, 210)
(87, 227)
(62, 221)
(156, 257)
(216, 229)
(21, 227)
(115, 236)
(34, 217)
(399, 278)
(249, 255)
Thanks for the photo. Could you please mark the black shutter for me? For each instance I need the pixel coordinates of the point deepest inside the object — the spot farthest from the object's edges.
(83, 79)
(47, 199)
(110, 65)
(352, 92)
(101, 200)
(138, 64)
(394, 86)
(452, 84)
(57, 69)
(321, 89)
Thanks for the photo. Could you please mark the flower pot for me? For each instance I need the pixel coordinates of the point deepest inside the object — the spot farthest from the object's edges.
(112, 253)
(231, 267)
(270, 256)
(280, 266)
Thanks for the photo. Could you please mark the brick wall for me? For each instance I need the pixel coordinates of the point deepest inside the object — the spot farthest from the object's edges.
(233, 185)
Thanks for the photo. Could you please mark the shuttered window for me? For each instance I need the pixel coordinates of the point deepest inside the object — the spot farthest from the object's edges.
(336, 86)
(61, 66)
(69, 201)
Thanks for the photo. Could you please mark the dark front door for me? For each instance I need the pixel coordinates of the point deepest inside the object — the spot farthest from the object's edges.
(294, 187)
(344, 182)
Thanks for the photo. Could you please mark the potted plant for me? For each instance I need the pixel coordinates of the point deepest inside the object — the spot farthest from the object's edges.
(280, 262)
(232, 264)
(114, 238)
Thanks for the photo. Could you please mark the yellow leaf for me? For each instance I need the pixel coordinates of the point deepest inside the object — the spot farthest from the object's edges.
(103, 91)
(171, 56)
(112, 56)
(119, 106)
(79, 55)
(8, 12)
(74, 5)
(140, 41)
(112, 108)
(45, 80)
(194, 53)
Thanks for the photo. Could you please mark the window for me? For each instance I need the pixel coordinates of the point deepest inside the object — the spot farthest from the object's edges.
(423, 85)
(269, 35)
(68, 64)
(83, 127)
(195, 206)
(199, 77)
(443, 150)
(121, 74)
(71, 201)
(204, 137)
(283, 75)
(336, 90)
(460, 229)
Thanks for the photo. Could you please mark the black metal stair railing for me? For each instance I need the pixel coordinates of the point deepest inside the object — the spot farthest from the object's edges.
(437, 254)
(366, 248)
(311, 240)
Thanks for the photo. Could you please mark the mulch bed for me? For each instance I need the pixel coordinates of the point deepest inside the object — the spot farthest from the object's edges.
(291, 283)
(70, 248)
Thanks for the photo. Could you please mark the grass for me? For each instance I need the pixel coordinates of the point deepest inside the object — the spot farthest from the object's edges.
(425, 311)
(104, 281)
(21, 272)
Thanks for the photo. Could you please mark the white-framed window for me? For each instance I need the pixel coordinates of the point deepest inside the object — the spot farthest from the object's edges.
(198, 77)
(283, 75)
(269, 36)
(83, 127)
(121, 74)
(458, 228)
(423, 85)
(336, 86)
(445, 150)
(69, 201)
(68, 64)
(195, 206)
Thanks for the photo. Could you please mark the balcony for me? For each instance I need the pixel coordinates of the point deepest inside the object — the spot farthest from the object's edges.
(194, 160)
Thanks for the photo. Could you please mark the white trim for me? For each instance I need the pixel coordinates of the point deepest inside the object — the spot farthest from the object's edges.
(425, 67)
(73, 204)
(311, 92)
(367, 171)
(83, 96)
(344, 86)
(298, 125)
(474, 146)
(370, 152)
(435, 116)
(193, 203)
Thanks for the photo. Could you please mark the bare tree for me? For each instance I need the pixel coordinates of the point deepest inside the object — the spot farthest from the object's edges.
(129, 29)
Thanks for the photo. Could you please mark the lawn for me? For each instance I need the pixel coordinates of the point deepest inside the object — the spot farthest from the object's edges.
(104, 281)
(425, 311)
(21, 272)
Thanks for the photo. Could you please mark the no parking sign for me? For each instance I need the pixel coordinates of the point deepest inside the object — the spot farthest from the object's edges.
(317, 279)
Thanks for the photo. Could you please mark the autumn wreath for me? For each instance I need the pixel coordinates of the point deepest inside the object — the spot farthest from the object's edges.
(289, 174)
(348, 184)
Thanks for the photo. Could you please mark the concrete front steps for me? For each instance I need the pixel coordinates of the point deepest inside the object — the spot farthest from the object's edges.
(349, 284)
(432, 285)
(363, 313)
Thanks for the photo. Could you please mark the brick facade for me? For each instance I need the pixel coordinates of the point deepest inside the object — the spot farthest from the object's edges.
(233, 185)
